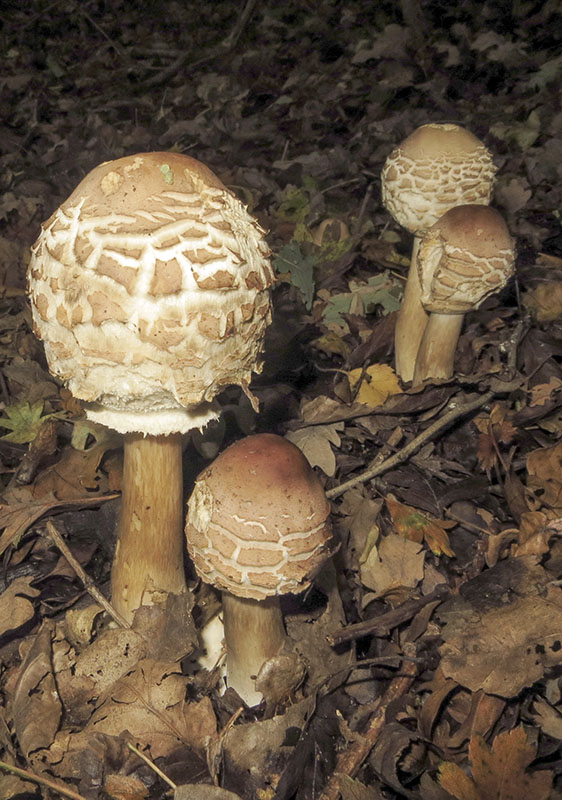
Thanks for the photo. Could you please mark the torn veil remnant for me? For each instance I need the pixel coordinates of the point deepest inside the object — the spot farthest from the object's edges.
(150, 290)
(257, 527)
(437, 167)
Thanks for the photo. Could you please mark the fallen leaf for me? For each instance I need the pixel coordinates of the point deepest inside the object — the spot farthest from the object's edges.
(394, 563)
(376, 384)
(15, 608)
(418, 527)
(315, 442)
(499, 772)
(505, 649)
(37, 706)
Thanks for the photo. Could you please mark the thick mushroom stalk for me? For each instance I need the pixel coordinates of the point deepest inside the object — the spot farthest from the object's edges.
(437, 167)
(149, 552)
(463, 259)
(149, 287)
(257, 527)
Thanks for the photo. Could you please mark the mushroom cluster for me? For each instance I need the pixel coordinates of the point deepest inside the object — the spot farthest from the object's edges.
(257, 528)
(149, 287)
(437, 167)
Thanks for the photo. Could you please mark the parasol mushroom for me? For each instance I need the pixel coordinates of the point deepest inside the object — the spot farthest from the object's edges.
(463, 258)
(437, 167)
(149, 287)
(257, 527)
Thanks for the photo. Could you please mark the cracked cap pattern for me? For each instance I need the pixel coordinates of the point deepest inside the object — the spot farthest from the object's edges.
(258, 520)
(464, 258)
(437, 167)
(150, 290)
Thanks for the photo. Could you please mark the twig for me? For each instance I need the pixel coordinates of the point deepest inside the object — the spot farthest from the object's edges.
(386, 622)
(350, 761)
(40, 779)
(409, 449)
(152, 765)
(88, 583)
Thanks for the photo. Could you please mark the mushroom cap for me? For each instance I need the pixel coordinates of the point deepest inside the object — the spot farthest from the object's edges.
(437, 167)
(150, 289)
(463, 258)
(258, 519)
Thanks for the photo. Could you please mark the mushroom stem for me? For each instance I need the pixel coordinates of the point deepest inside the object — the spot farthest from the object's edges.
(410, 322)
(253, 632)
(149, 554)
(436, 354)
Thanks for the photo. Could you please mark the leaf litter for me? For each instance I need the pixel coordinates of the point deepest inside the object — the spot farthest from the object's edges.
(428, 655)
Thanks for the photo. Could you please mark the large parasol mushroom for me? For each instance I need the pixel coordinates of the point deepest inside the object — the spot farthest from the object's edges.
(149, 287)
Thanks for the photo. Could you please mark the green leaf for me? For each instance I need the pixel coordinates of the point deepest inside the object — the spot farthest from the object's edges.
(24, 421)
(290, 259)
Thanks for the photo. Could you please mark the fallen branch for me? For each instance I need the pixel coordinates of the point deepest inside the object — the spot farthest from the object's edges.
(350, 761)
(42, 781)
(87, 582)
(408, 450)
(384, 623)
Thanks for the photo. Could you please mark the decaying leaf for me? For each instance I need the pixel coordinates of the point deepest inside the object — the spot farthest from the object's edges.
(504, 649)
(499, 772)
(396, 562)
(15, 607)
(545, 475)
(37, 707)
(315, 442)
(418, 527)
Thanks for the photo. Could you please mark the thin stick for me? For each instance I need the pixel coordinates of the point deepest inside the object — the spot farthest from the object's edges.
(152, 765)
(88, 583)
(40, 779)
(409, 449)
(381, 625)
(350, 761)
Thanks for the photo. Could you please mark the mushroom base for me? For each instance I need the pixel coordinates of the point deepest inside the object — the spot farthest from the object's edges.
(254, 632)
(149, 554)
(436, 354)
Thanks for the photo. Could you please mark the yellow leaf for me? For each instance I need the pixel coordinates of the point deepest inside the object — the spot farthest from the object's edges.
(378, 382)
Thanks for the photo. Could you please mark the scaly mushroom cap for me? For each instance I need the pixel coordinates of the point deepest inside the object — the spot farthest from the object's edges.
(258, 519)
(437, 167)
(149, 288)
(465, 257)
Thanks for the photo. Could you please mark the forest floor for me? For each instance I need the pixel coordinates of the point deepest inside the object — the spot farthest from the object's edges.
(433, 642)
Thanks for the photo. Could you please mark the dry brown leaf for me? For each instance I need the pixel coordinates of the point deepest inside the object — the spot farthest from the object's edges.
(37, 707)
(124, 787)
(149, 703)
(396, 562)
(504, 649)
(545, 475)
(315, 442)
(499, 772)
(15, 608)
(111, 656)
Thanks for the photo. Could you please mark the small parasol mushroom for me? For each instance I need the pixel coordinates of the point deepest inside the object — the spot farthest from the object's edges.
(257, 527)
(463, 258)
